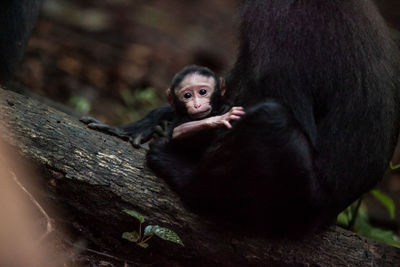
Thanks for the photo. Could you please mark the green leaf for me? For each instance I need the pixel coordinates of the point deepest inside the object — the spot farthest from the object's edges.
(347, 215)
(386, 236)
(386, 201)
(342, 219)
(135, 214)
(163, 233)
(394, 167)
(131, 236)
(363, 227)
(143, 245)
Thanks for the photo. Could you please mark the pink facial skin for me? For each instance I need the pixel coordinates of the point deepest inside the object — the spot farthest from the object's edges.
(195, 92)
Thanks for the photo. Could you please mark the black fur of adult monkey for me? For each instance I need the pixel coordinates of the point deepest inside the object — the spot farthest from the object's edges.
(319, 80)
(320, 84)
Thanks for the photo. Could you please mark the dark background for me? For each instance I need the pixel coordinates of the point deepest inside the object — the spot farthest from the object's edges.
(115, 58)
(118, 56)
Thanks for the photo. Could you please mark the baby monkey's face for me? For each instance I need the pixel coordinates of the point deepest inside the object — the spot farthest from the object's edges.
(195, 93)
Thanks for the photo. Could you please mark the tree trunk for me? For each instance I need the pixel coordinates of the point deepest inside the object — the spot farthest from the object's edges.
(93, 177)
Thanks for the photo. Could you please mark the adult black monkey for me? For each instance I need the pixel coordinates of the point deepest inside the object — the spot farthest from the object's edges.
(326, 72)
(320, 83)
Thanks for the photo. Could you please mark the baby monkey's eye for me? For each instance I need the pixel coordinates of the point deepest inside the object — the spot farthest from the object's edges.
(187, 95)
(203, 91)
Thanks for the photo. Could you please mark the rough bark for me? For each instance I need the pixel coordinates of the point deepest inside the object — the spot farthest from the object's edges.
(94, 176)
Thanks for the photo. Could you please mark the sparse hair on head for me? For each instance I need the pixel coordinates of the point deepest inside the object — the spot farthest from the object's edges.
(192, 69)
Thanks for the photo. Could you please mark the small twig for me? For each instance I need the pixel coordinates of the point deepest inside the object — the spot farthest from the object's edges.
(145, 240)
(140, 230)
(49, 227)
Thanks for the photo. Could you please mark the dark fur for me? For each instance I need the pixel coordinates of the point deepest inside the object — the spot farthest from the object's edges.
(320, 81)
(146, 125)
(184, 153)
(17, 19)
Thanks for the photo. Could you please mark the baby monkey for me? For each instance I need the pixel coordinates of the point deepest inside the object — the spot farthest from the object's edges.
(196, 94)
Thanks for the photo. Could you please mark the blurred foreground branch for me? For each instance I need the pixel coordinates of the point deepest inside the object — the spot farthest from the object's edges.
(93, 177)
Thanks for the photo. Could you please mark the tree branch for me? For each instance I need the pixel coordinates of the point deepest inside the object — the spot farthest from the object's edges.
(95, 176)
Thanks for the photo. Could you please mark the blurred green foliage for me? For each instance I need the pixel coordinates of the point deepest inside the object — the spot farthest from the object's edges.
(138, 103)
(386, 201)
(355, 218)
(80, 104)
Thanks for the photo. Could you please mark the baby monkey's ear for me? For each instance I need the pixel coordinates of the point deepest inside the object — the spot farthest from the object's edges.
(222, 86)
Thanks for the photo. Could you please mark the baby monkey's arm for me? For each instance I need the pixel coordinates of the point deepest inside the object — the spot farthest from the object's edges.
(189, 128)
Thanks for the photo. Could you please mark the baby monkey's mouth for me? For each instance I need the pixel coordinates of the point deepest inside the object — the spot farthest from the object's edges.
(201, 114)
